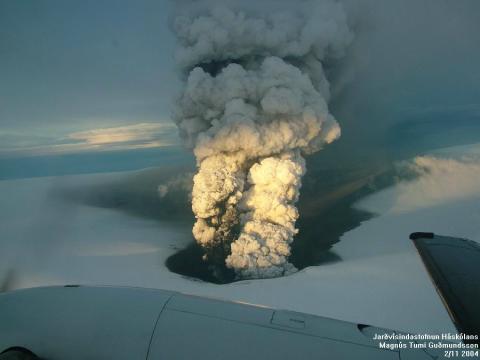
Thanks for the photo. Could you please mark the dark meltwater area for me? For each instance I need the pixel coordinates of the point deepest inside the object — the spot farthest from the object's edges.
(325, 206)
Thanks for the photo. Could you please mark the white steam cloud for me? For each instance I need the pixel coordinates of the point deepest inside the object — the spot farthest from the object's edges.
(438, 181)
(254, 101)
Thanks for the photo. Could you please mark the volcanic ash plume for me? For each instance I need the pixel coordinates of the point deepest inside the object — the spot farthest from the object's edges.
(255, 100)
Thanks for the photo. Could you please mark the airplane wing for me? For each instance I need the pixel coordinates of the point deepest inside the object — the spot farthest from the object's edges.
(454, 267)
(82, 322)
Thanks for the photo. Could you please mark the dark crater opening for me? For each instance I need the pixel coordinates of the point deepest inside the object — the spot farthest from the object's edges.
(326, 213)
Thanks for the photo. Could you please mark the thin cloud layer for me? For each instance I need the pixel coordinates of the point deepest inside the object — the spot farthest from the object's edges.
(138, 133)
(135, 136)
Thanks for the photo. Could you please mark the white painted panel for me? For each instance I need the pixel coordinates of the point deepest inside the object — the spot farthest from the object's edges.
(81, 322)
(186, 335)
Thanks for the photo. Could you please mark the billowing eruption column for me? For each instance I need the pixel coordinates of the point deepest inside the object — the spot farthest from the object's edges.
(254, 101)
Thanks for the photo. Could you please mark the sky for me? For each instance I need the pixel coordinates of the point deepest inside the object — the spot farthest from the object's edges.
(87, 75)
(92, 76)
(411, 77)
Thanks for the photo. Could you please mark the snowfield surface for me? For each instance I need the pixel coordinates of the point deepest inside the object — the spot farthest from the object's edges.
(380, 280)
